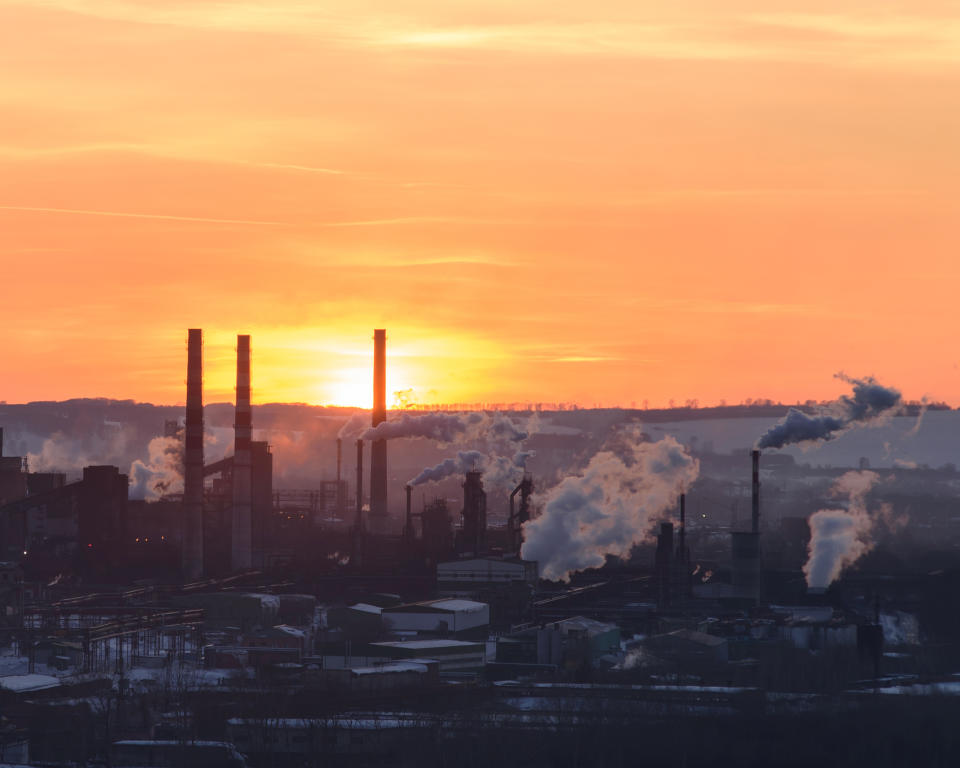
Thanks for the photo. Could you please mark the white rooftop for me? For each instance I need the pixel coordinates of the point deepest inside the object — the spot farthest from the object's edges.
(385, 669)
(426, 644)
(366, 608)
(24, 683)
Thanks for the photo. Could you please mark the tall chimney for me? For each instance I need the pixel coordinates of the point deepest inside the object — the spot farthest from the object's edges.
(192, 539)
(683, 522)
(755, 497)
(408, 527)
(359, 519)
(241, 553)
(1, 441)
(356, 555)
(378, 451)
(341, 496)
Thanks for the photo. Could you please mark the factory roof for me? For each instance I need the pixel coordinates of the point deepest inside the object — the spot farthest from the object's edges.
(367, 608)
(427, 644)
(25, 683)
(386, 669)
(451, 605)
(690, 635)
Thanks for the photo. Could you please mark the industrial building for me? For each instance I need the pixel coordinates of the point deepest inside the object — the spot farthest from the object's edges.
(444, 617)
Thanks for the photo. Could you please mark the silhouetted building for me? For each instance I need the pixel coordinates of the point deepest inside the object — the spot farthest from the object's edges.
(473, 535)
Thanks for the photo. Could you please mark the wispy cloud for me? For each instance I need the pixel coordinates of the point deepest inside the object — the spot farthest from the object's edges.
(130, 215)
(583, 359)
(152, 150)
(400, 220)
(874, 39)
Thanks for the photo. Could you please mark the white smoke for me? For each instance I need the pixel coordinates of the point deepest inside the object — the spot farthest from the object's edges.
(499, 472)
(465, 461)
(62, 453)
(161, 473)
(869, 402)
(354, 426)
(448, 428)
(840, 537)
(610, 507)
(502, 473)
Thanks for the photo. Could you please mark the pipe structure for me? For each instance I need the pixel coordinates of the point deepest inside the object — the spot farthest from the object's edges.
(755, 495)
(192, 539)
(241, 551)
(378, 451)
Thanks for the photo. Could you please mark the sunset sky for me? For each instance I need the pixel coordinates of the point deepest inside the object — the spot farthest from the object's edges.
(547, 200)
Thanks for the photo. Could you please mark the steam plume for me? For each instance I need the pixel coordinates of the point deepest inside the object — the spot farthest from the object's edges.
(161, 473)
(449, 428)
(464, 462)
(840, 537)
(610, 507)
(500, 472)
(869, 402)
(355, 426)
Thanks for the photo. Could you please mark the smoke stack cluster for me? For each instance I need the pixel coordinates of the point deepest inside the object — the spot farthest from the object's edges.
(192, 545)
(241, 554)
(378, 451)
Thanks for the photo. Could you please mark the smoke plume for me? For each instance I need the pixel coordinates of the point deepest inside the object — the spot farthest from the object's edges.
(610, 507)
(840, 537)
(448, 428)
(162, 473)
(70, 454)
(355, 426)
(869, 402)
(464, 461)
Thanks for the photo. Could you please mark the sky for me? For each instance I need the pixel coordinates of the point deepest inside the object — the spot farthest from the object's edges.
(604, 203)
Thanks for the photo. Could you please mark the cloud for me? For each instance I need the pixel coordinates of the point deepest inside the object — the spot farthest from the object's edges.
(128, 215)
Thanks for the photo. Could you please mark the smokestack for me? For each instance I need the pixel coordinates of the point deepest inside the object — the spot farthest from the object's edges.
(683, 522)
(192, 539)
(1, 442)
(356, 556)
(755, 498)
(341, 494)
(378, 451)
(359, 518)
(408, 528)
(241, 553)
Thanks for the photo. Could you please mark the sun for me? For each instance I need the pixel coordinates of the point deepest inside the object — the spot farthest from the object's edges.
(349, 387)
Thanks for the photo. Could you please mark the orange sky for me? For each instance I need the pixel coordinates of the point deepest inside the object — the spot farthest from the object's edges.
(604, 202)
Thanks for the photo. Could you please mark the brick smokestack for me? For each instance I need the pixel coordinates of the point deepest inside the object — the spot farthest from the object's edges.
(378, 451)
(192, 539)
(241, 553)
